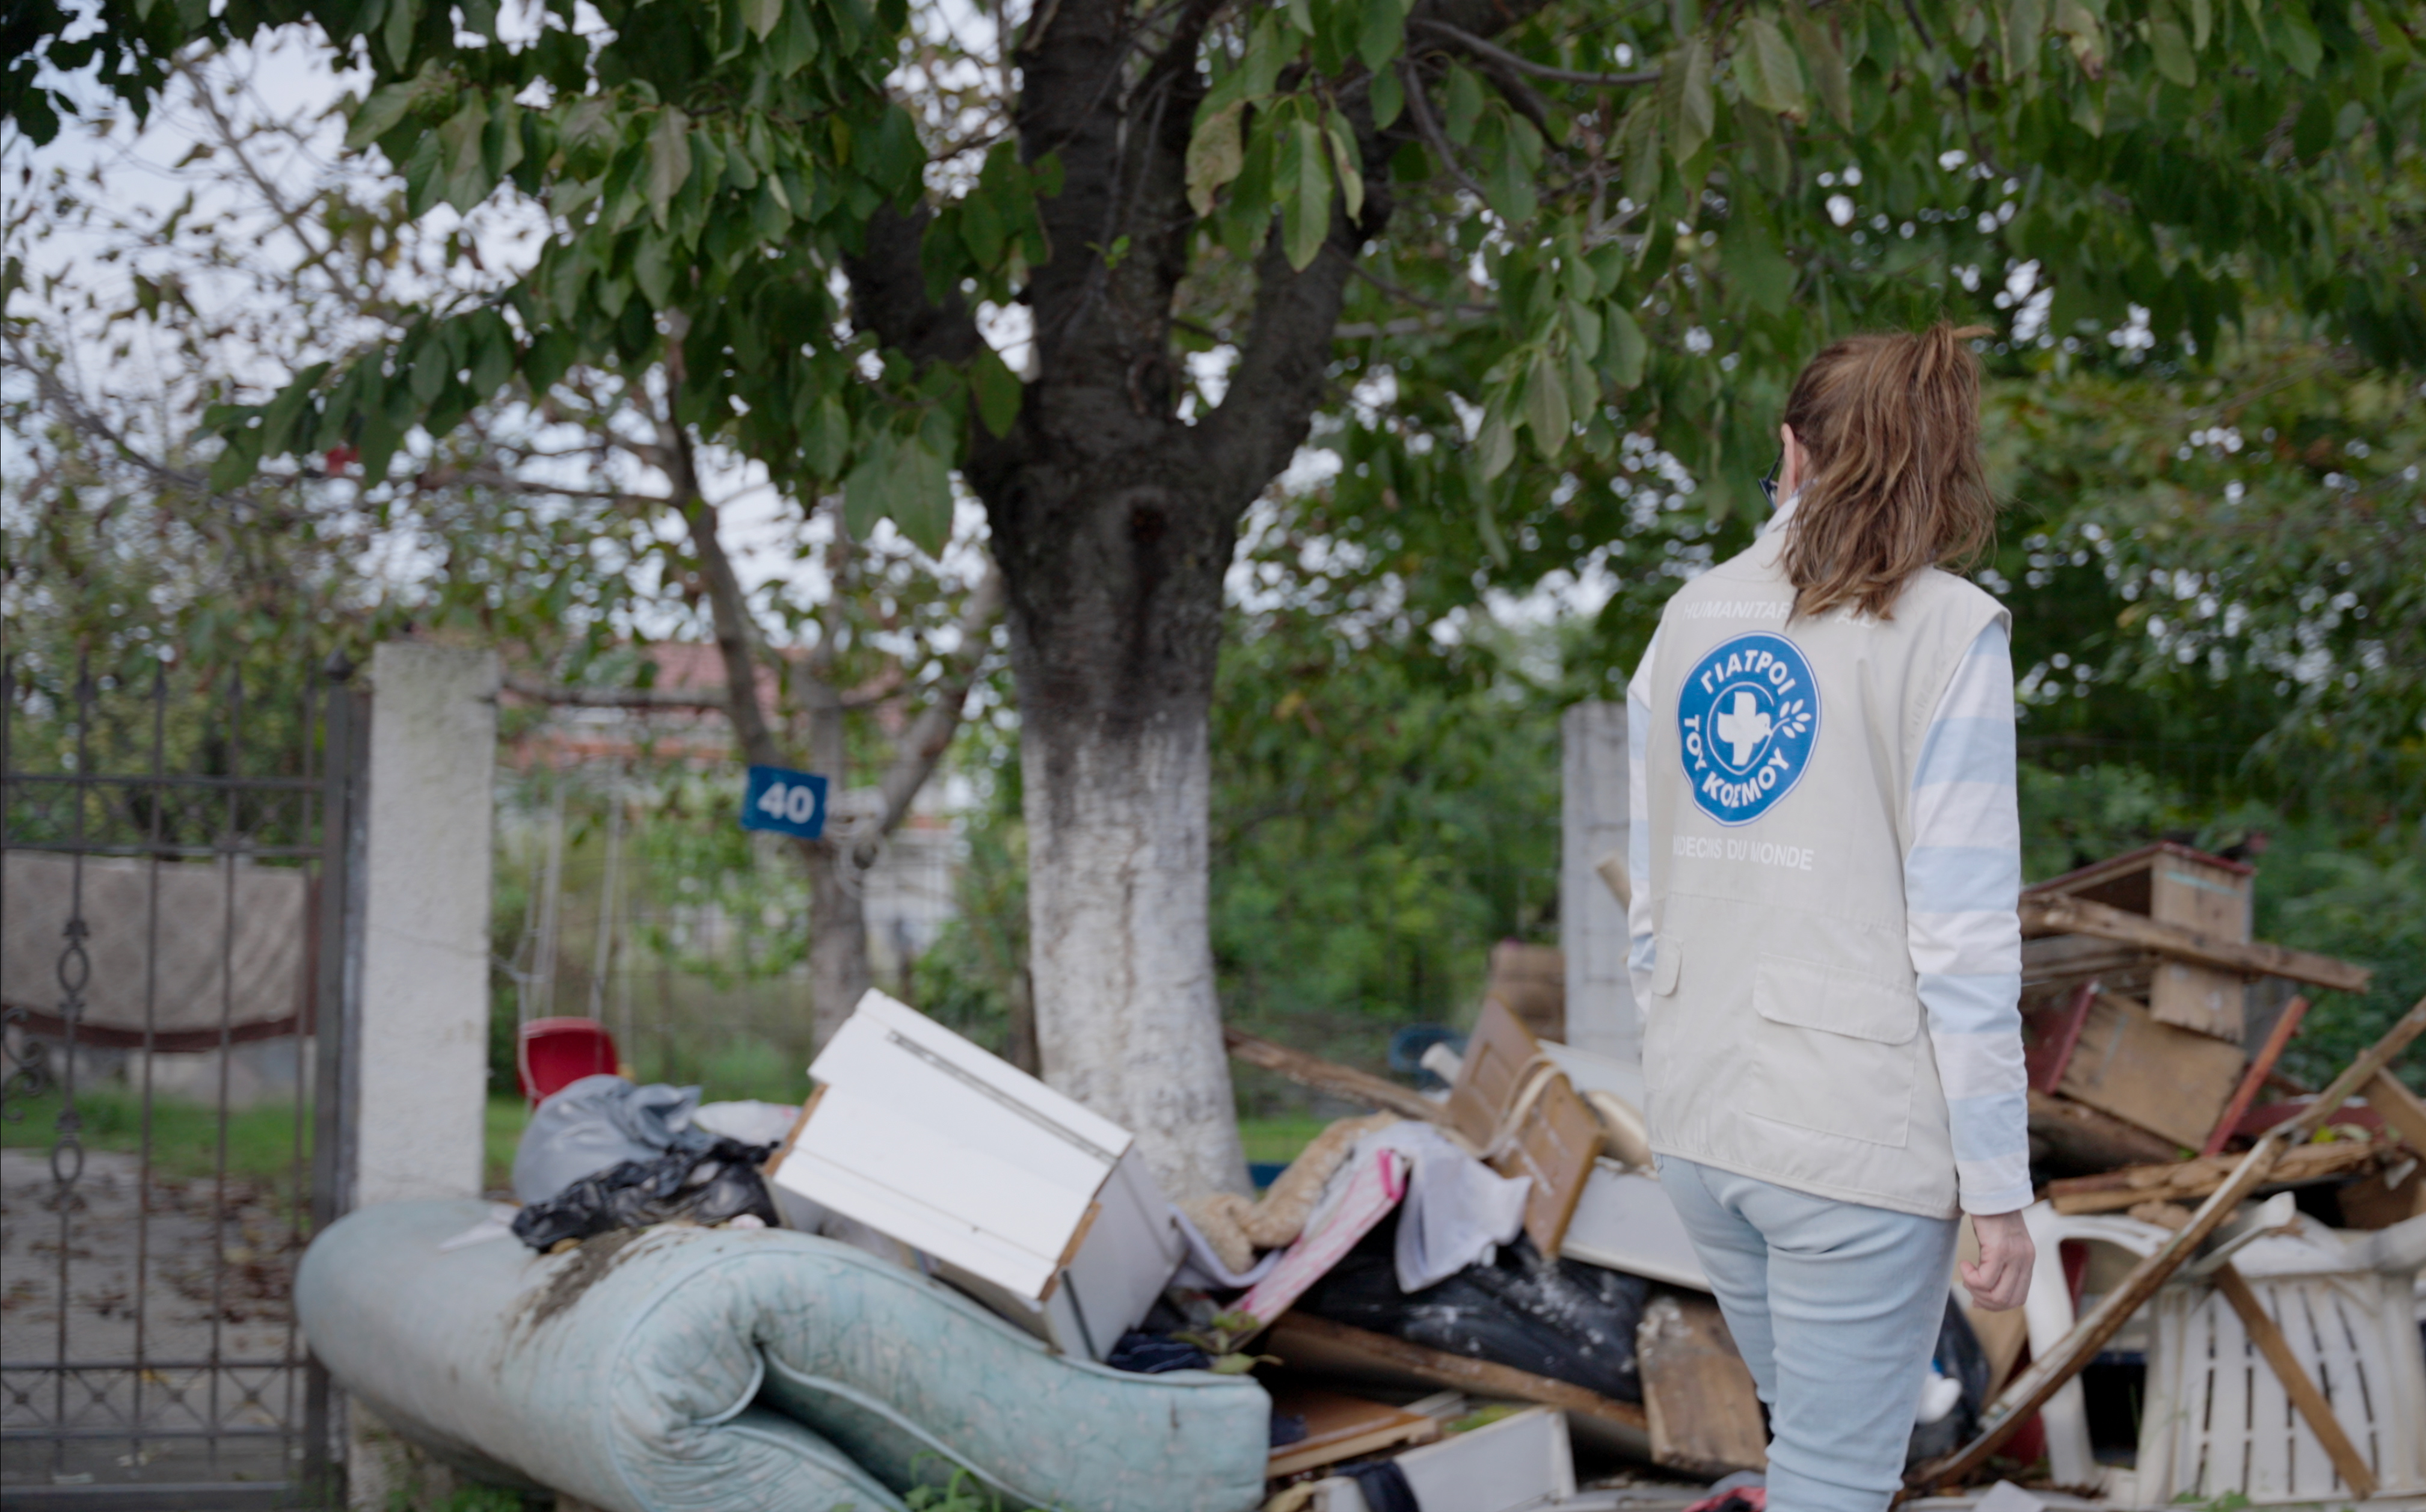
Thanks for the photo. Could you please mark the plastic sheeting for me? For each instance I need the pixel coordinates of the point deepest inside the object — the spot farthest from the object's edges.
(598, 1122)
(714, 1370)
(1458, 1212)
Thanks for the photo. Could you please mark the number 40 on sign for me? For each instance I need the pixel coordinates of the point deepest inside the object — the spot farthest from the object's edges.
(788, 803)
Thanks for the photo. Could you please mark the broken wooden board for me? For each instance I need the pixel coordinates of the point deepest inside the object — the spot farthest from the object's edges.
(1514, 1103)
(1531, 979)
(1697, 1393)
(2186, 1181)
(2169, 1080)
(1320, 1345)
(1341, 1427)
(2400, 1108)
(1343, 1082)
(2079, 916)
(2094, 1141)
(2175, 884)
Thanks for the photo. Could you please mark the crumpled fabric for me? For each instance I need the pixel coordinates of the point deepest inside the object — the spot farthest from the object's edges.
(599, 1122)
(703, 1187)
(1233, 1228)
(1458, 1212)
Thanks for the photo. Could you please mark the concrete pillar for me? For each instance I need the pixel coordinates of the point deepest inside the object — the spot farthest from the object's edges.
(422, 1041)
(1601, 1013)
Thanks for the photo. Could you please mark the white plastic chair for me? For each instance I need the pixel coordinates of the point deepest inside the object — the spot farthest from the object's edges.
(2047, 1311)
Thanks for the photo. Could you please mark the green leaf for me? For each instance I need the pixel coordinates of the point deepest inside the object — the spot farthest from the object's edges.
(1377, 40)
(998, 391)
(866, 491)
(2202, 23)
(1389, 98)
(668, 159)
(1627, 348)
(983, 228)
(397, 34)
(2297, 38)
(1464, 106)
(1685, 93)
(1306, 194)
(1215, 154)
(238, 461)
(2024, 28)
(1767, 68)
(1344, 164)
(279, 418)
(652, 268)
(760, 16)
(2172, 46)
(2087, 34)
(1831, 79)
(1638, 148)
(1495, 446)
(1301, 15)
(825, 440)
(922, 498)
(1545, 405)
(1752, 259)
(377, 116)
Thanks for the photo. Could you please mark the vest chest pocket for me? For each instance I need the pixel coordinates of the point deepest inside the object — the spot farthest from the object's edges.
(1832, 1050)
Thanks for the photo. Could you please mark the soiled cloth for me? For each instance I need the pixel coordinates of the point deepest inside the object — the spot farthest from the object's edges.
(1457, 1213)
(713, 1370)
(600, 1121)
(1236, 1228)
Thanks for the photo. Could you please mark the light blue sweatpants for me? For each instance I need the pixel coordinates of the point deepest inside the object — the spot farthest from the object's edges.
(1837, 1308)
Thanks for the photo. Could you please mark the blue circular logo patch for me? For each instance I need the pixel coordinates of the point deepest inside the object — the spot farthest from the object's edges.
(1747, 720)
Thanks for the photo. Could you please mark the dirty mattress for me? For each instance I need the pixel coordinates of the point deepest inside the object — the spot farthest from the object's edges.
(721, 1369)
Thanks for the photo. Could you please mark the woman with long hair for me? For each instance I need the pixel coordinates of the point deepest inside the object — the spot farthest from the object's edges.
(1826, 945)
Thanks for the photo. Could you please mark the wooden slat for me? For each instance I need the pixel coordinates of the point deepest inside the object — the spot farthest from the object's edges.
(1305, 1342)
(2095, 1139)
(2294, 1376)
(1342, 1081)
(2259, 1068)
(2170, 1081)
(2079, 916)
(2181, 1180)
(1696, 1390)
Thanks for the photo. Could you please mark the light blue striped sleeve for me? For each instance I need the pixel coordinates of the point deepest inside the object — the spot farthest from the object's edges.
(1638, 927)
(1963, 881)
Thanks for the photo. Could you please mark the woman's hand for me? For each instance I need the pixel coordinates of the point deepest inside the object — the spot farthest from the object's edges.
(2001, 1276)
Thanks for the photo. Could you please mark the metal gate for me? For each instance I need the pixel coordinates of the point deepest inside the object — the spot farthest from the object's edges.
(174, 942)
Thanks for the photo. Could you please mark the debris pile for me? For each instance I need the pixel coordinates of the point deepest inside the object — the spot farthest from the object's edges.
(1445, 1298)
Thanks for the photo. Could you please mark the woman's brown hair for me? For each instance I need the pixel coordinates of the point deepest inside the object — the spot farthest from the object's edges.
(1889, 426)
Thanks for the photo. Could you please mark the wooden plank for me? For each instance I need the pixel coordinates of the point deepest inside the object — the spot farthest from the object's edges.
(2079, 916)
(2304, 1393)
(1341, 1427)
(2399, 1106)
(2050, 1037)
(2170, 1082)
(2032, 1389)
(2259, 1068)
(2100, 1141)
(1696, 1390)
(1532, 981)
(2184, 1180)
(1311, 1343)
(1342, 1081)
(1496, 1058)
(1556, 1143)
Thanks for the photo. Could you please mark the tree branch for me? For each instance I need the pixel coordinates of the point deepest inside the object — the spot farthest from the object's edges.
(1420, 110)
(921, 747)
(1504, 59)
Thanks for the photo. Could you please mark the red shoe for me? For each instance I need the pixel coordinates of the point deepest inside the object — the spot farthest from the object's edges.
(1735, 1499)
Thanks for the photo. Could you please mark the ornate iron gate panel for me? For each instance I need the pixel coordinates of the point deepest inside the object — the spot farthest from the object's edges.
(174, 947)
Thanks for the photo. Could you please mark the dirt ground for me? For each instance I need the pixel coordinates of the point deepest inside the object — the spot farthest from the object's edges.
(202, 1304)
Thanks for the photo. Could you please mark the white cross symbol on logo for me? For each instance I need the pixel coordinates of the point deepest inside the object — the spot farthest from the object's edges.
(1744, 727)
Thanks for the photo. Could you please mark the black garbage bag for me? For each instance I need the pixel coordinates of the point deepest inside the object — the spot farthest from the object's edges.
(1561, 1319)
(1959, 1358)
(705, 1187)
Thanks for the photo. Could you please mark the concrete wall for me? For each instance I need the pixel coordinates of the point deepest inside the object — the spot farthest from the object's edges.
(422, 1041)
(1601, 1013)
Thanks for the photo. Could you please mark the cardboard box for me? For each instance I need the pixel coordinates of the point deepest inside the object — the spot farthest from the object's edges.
(1020, 1196)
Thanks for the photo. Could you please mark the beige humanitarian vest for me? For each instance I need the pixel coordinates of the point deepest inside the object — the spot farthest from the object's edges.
(1783, 1035)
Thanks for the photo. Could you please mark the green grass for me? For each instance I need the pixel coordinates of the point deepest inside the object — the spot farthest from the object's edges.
(262, 1141)
(1280, 1138)
(502, 1130)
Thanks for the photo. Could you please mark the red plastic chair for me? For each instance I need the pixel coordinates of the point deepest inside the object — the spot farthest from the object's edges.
(551, 1054)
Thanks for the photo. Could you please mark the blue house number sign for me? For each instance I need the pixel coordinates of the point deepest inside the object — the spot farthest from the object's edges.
(788, 803)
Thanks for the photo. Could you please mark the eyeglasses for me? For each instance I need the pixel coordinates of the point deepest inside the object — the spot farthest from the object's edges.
(1769, 483)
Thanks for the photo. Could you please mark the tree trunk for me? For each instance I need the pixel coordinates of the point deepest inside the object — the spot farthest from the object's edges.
(1115, 610)
(839, 974)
